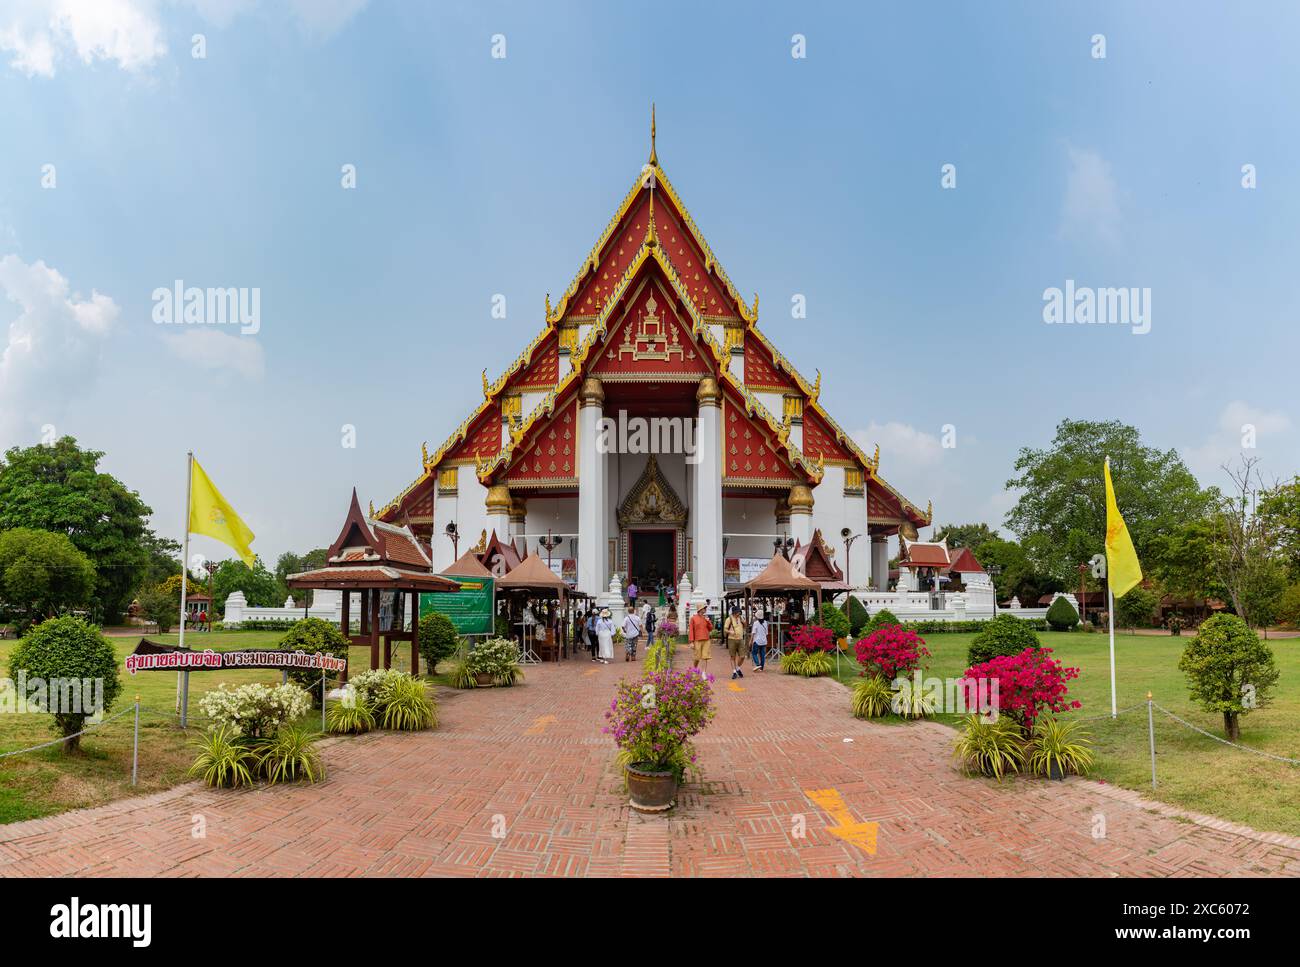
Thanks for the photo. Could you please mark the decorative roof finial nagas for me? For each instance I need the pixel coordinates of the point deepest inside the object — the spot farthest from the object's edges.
(817, 386)
(487, 390)
(372, 508)
(424, 453)
(654, 157)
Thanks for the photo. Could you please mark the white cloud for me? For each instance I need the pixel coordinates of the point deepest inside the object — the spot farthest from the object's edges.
(53, 346)
(1238, 422)
(215, 350)
(324, 17)
(1090, 210)
(37, 33)
(902, 446)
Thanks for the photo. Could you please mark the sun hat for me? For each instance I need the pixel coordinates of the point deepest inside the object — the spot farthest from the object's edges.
(604, 612)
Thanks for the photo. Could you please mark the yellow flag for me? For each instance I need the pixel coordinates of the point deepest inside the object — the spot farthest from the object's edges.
(213, 517)
(1122, 568)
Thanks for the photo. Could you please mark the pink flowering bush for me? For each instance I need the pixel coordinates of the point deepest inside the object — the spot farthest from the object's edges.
(812, 638)
(1028, 684)
(652, 719)
(891, 652)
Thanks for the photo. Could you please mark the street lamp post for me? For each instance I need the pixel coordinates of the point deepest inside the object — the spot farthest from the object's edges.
(454, 533)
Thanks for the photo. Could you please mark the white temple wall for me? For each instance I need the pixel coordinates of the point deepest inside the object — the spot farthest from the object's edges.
(743, 516)
(560, 514)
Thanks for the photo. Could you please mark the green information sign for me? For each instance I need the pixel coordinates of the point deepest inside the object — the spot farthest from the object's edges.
(470, 608)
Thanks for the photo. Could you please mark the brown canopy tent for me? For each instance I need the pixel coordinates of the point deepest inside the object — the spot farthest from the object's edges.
(370, 556)
(531, 578)
(779, 580)
(467, 566)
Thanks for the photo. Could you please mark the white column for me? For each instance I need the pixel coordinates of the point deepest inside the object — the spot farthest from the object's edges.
(801, 510)
(706, 502)
(880, 561)
(592, 488)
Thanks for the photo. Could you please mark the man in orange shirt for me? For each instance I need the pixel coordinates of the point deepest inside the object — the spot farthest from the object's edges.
(700, 628)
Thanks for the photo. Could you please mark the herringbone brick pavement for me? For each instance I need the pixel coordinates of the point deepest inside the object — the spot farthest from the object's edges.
(520, 782)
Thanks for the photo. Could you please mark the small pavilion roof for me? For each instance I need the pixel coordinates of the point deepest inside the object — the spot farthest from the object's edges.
(925, 554)
(468, 566)
(532, 574)
(779, 575)
(964, 562)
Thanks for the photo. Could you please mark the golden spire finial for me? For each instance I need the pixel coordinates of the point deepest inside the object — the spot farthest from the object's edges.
(487, 391)
(654, 157)
(424, 453)
(372, 508)
(650, 236)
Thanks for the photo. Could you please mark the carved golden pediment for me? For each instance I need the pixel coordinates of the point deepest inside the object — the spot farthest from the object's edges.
(652, 500)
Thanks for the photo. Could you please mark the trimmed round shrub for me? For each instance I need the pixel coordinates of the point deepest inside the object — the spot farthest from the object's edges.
(79, 669)
(881, 619)
(1229, 670)
(858, 616)
(312, 635)
(438, 639)
(1004, 635)
(834, 619)
(1061, 615)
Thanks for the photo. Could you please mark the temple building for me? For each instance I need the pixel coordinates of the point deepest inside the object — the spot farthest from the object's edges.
(651, 429)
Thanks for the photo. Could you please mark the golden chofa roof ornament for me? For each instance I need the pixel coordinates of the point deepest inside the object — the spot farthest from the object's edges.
(487, 389)
(424, 453)
(654, 157)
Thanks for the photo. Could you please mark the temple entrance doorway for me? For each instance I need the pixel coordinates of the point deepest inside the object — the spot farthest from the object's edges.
(652, 558)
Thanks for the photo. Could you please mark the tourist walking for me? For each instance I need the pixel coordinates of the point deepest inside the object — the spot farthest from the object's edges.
(593, 640)
(700, 629)
(650, 620)
(632, 591)
(758, 642)
(605, 635)
(734, 632)
(631, 632)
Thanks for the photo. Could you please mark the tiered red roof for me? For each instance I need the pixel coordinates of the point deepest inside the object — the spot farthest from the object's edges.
(544, 370)
(549, 452)
(651, 340)
(819, 440)
(761, 372)
(750, 450)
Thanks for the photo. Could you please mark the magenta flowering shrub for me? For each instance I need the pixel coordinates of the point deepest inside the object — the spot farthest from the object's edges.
(891, 652)
(666, 629)
(812, 638)
(1028, 684)
(653, 718)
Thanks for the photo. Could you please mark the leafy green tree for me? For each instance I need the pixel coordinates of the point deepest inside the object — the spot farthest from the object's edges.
(1288, 606)
(966, 535)
(314, 635)
(857, 615)
(1063, 501)
(291, 563)
(1229, 670)
(1136, 609)
(438, 639)
(1004, 635)
(161, 604)
(258, 584)
(1183, 560)
(1245, 555)
(1280, 511)
(59, 488)
(834, 619)
(59, 651)
(164, 560)
(42, 574)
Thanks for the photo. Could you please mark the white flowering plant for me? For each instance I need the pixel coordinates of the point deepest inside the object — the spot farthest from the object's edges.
(255, 711)
(498, 657)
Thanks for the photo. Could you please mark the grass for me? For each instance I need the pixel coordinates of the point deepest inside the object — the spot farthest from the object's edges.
(42, 783)
(1192, 771)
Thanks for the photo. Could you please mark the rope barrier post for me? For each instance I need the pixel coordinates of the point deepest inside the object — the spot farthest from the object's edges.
(1151, 730)
(135, 749)
(185, 701)
(322, 698)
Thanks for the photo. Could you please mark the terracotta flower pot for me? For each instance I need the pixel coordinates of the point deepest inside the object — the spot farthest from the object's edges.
(484, 679)
(651, 791)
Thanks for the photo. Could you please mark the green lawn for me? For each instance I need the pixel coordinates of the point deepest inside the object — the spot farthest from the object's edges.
(1192, 771)
(44, 782)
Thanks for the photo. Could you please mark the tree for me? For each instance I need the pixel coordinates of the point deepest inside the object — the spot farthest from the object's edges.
(314, 635)
(42, 574)
(1243, 551)
(1063, 500)
(1288, 606)
(1137, 608)
(1229, 670)
(1279, 509)
(258, 584)
(161, 604)
(1183, 560)
(77, 668)
(291, 563)
(1015, 575)
(966, 535)
(164, 560)
(438, 639)
(59, 488)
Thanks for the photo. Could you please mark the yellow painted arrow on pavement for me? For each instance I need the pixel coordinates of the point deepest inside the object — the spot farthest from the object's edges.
(539, 724)
(734, 687)
(861, 835)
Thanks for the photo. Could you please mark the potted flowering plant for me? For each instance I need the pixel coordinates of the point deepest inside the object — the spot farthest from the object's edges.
(652, 721)
(494, 661)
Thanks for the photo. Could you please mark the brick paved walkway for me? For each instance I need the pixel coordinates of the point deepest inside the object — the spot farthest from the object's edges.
(531, 763)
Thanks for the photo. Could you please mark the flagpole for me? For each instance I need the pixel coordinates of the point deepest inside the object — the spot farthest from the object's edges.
(184, 691)
(1110, 601)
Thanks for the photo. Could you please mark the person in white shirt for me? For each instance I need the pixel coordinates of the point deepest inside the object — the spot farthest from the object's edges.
(758, 642)
(605, 635)
(631, 632)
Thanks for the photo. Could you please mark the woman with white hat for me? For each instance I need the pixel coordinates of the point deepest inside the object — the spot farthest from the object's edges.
(605, 634)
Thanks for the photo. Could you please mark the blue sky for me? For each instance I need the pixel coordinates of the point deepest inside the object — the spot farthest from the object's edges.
(477, 175)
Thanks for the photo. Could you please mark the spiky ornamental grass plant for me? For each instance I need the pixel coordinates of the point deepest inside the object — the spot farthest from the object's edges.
(350, 717)
(1063, 745)
(991, 748)
(290, 756)
(224, 761)
(872, 697)
(407, 707)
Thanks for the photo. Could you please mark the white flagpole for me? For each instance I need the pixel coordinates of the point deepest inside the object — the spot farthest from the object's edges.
(182, 700)
(1110, 601)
